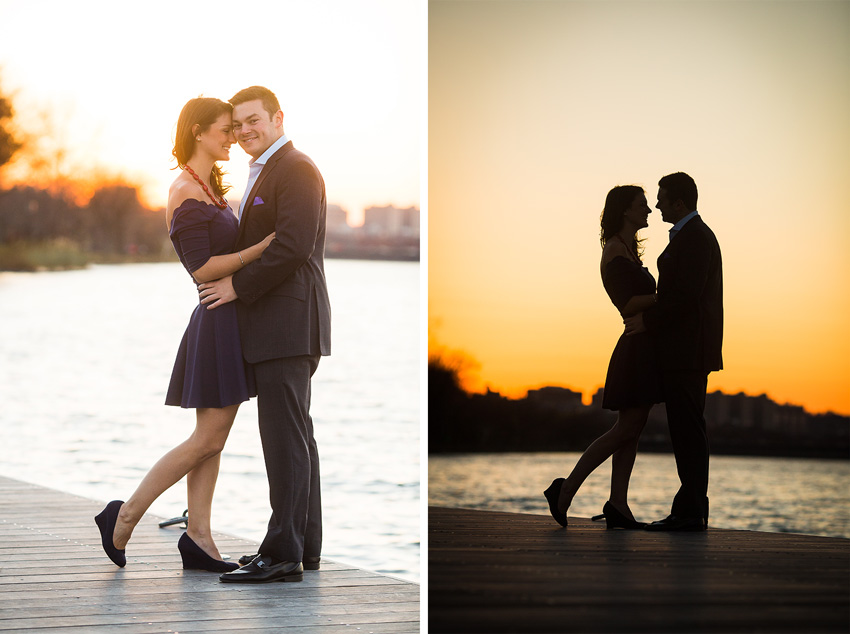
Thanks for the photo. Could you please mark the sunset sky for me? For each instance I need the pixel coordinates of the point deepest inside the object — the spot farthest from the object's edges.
(113, 76)
(537, 109)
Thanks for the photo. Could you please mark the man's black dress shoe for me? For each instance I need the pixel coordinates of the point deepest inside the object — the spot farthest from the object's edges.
(195, 558)
(309, 563)
(262, 570)
(677, 523)
(105, 521)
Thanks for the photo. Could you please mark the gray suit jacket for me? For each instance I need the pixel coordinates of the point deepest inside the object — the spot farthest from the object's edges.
(283, 305)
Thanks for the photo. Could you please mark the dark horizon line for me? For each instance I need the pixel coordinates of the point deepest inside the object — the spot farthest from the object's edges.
(745, 394)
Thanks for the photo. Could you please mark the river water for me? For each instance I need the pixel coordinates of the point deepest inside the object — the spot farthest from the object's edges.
(788, 495)
(85, 359)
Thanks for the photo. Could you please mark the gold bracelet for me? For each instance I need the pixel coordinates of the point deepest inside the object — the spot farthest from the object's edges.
(240, 258)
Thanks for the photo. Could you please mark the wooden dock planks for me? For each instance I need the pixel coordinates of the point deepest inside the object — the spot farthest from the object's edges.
(508, 572)
(54, 577)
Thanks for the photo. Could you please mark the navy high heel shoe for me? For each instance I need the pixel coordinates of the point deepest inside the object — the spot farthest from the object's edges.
(552, 494)
(615, 519)
(105, 521)
(194, 557)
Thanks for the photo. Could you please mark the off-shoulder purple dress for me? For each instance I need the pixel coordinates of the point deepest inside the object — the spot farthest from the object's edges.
(210, 370)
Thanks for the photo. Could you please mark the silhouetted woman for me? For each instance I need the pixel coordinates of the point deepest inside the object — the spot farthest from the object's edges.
(209, 374)
(632, 385)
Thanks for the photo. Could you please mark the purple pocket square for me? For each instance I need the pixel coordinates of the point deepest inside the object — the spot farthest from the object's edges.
(258, 200)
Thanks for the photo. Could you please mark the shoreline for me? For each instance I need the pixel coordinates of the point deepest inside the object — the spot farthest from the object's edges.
(745, 453)
(73, 262)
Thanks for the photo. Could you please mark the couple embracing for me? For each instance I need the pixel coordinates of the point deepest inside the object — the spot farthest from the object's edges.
(262, 324)
(672, 340)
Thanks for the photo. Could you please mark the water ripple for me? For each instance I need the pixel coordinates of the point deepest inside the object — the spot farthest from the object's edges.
(783, 495)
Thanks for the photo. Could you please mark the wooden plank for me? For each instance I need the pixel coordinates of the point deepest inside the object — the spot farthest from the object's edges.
(172, 614)
(508, 572)
(146, 603)
(248, 628)
(138, 595)
(55, 577)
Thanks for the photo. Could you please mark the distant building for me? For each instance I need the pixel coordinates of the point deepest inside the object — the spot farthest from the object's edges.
(756, 412)
(596, 399)
(558, 399)
(337, 222)
(391, 222)
(386, 234)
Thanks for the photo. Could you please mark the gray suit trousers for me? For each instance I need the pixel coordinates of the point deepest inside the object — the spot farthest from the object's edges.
(292, 458)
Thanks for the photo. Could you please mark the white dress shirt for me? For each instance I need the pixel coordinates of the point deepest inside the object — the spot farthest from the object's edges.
(256, 166)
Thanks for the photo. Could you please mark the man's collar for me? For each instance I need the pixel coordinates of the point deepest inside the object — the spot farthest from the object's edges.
(678, 226)
(274, 147)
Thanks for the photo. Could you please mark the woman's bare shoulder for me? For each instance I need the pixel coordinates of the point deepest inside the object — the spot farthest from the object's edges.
(612, 249)
(179, 192)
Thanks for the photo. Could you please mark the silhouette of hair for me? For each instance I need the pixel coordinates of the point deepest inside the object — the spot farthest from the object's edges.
(618, 200)
(203, 112)
(270, 102)
(680, 186)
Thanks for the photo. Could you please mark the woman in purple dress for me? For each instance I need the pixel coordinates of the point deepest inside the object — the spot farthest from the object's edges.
(209, 374)
(633, 382)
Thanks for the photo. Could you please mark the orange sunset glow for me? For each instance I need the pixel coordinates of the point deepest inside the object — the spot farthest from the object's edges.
(537, 109)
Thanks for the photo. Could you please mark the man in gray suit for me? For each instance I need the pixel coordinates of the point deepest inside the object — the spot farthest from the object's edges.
(284, 322)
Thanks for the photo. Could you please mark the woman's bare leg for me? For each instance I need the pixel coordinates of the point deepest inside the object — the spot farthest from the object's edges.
(626, 431)
(207, 440)
(200, 484)
(622, 463)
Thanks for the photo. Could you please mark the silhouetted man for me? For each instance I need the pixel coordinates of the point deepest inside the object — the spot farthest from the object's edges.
(686, 323)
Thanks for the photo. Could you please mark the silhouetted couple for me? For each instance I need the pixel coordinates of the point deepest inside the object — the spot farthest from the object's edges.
(672, 340)
(261, 326)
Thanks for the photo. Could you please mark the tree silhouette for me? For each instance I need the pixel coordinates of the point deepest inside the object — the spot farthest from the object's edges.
(110, 213)
(8, 142)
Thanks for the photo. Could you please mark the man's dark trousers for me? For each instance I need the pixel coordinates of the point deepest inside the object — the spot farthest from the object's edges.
(292, 458)
(685, 394)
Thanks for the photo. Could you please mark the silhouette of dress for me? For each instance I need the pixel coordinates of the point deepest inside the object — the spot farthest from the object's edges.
(633, 377)
(209, 370)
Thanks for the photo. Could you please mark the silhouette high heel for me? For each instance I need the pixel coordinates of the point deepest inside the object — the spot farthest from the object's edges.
(614, 519)
(105, 521)
(552, 494)
(194, 557)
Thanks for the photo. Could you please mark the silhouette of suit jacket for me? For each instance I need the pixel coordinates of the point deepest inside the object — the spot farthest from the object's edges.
(283, 306)
(687, 320)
